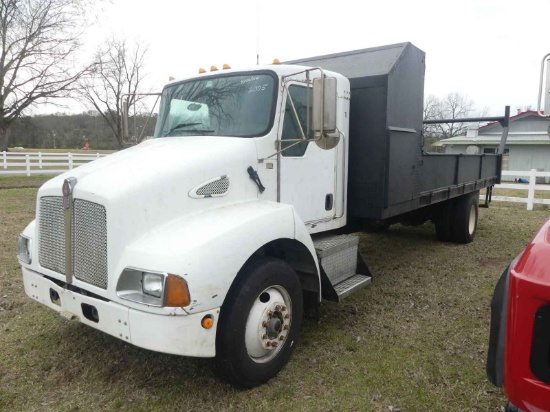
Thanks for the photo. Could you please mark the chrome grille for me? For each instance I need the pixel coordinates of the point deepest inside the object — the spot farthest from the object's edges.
(51, 229)
(217, 187)
(90, 243)
(89, 239)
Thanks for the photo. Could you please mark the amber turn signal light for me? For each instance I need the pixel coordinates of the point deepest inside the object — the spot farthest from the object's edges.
(177, 292)
(207, 322)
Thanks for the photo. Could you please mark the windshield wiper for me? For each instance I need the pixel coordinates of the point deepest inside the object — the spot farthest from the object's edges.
(179, 126)
(198, 131)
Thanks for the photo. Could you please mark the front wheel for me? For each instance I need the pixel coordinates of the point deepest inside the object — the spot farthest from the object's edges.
(259, 323)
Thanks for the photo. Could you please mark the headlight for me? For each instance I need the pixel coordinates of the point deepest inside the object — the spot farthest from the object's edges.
(24, 249)
(152, 284)
(153, 288)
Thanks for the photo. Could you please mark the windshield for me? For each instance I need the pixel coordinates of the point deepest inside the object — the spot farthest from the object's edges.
(232, 105)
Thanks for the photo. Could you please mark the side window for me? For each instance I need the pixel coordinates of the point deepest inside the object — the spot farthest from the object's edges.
(291, 130)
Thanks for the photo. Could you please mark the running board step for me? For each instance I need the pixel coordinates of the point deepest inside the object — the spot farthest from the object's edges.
(350, 285)
(343, 269)
(337, 256)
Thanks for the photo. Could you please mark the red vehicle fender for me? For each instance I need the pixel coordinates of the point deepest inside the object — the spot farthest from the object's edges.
(519, 346)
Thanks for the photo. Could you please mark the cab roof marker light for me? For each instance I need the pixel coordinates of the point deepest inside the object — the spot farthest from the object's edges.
(276, 61)
(213, 69)
(226, 66)
(201, 71)
(171, 78)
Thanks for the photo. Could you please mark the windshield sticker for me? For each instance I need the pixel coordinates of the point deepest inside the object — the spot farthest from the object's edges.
(258, 88)
(252, 79)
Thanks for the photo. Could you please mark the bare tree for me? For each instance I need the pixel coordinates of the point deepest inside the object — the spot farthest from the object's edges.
(118, 70)
(524, 108)
(38, 40)
(452, 106)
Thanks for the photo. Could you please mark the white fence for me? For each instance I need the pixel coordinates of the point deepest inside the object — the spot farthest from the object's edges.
(532, 187)
(27, 164)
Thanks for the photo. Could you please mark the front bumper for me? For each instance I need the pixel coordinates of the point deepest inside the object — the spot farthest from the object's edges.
(178, 335)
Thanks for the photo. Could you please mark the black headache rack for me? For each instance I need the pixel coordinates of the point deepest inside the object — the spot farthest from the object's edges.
(476, 170)
(389, 174)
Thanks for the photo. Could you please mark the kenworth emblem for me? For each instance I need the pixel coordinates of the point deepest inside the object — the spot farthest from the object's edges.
(68, 186)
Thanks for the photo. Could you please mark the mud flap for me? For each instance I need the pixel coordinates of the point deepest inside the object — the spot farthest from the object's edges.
(497, 337)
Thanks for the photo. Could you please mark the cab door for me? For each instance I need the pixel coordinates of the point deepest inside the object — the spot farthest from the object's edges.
(307, 173)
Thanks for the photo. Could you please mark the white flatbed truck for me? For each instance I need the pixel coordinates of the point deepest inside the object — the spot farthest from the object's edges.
(214, 238)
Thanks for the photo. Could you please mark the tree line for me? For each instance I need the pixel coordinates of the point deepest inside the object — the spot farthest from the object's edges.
(40, 42)
(74, 131)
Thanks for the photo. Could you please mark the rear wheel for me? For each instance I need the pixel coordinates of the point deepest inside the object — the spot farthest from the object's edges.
(259, 323)
(464, 222)
(443, 229)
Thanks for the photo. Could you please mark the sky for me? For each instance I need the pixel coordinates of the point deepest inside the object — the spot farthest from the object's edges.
(488, 50)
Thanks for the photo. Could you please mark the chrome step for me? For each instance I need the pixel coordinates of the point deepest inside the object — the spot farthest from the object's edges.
(337, 256)
(351, 284)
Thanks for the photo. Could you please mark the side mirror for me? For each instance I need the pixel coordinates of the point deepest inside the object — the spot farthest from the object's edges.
(544, 88)
(324, 112)
(324, 105)
(124, 120)
(547, 97)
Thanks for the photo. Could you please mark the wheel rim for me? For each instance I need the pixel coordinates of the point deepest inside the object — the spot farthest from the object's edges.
(268, 324)
(472, 222)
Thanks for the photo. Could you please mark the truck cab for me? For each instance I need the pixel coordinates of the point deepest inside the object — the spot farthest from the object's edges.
(268, 110)
(198, 242)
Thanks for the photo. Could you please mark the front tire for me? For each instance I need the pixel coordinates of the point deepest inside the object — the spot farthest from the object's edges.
(259, 323)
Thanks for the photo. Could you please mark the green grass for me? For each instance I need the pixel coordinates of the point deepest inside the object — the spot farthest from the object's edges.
(416, 340)
(20, 182)
(539, 194)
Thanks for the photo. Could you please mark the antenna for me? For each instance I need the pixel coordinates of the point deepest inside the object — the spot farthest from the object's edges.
(257, 32)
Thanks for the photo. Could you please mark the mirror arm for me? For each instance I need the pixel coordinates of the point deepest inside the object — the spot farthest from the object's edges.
(296, 141)
(322, 132)
(148, 118)
(304, 138)
(308, 103)
(124, 117)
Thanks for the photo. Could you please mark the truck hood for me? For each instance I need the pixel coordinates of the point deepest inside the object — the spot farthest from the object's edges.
(148, 185)
(176, 161)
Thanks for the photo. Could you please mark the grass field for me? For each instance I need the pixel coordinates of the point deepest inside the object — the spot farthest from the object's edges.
(540, 194)
(416, 340)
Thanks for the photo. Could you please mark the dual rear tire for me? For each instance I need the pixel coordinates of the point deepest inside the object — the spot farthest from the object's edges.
(456, 220)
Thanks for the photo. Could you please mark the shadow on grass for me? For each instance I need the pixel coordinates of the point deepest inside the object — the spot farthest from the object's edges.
(110, 361)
